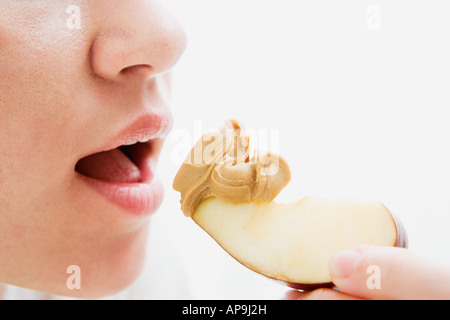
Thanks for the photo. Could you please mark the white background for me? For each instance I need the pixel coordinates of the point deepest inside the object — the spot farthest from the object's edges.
(358, 92)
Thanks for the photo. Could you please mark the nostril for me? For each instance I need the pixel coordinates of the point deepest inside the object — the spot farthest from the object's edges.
(139, 68)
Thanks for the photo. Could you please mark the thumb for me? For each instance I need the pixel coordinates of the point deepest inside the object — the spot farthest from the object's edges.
(374, 272)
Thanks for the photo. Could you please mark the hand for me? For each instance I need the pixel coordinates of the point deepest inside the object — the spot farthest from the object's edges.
(372, 272)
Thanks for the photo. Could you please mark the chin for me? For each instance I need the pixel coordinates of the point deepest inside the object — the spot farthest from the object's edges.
(105, 268)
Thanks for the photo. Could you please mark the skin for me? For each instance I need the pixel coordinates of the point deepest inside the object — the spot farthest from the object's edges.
(65, 92)
(403, 276)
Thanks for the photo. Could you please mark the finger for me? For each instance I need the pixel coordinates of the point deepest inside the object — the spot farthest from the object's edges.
(292, 295)
(319, 294)
(374, 272)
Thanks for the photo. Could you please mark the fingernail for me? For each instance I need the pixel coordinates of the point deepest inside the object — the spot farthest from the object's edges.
(344, 263)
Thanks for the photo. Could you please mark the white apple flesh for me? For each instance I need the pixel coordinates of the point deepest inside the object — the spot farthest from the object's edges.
(293, 242)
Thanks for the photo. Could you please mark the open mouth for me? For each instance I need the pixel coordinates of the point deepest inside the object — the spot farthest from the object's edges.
(125, 164)
(123, 169)
(124, 175)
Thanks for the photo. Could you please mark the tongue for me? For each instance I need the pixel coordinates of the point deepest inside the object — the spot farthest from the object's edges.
(113, 166)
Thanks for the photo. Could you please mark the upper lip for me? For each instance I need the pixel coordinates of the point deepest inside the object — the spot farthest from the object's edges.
(146, 127)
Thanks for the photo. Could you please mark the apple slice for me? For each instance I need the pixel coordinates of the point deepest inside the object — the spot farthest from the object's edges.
(293, 242)
(230, 194)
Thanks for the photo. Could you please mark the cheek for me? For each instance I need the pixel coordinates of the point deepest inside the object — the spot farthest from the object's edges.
(32, 118)
(40, 77)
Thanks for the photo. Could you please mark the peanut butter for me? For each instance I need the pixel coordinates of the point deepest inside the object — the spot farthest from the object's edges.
(220, 165)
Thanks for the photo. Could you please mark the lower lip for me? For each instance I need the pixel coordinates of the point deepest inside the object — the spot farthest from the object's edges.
(142, 198)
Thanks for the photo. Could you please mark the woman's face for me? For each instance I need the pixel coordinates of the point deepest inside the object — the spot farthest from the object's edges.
(80, 79)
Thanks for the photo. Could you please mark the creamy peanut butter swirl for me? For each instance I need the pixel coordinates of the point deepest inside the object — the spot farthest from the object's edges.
(220, 165)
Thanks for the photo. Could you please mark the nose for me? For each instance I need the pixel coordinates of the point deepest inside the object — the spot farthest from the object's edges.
(136, 34)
